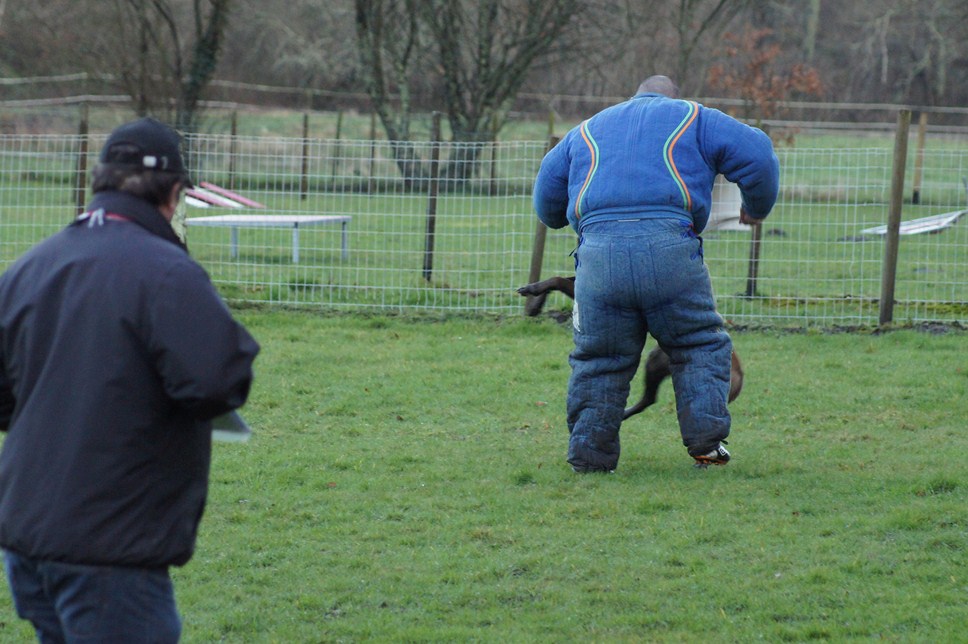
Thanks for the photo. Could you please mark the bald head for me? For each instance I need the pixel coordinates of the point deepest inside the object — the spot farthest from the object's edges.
(659, 85)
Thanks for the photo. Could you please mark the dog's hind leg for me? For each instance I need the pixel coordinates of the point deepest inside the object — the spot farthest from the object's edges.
(735, 377)
(534, 305)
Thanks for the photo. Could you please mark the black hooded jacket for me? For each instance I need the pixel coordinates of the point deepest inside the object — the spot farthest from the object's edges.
(115, 353)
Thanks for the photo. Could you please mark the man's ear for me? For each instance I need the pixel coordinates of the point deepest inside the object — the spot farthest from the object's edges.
(171, 203)
(175, 193)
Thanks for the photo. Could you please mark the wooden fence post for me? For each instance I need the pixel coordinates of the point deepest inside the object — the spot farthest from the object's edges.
(756, 239)
(428, 265)
(540, 235)
(80, 180)
(892, 242)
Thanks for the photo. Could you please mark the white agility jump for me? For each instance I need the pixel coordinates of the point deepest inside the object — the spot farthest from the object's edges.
(932, 224)
(234, 222)
(208, 195)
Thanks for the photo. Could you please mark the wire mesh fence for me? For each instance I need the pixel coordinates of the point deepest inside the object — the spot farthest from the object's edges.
(376, 225)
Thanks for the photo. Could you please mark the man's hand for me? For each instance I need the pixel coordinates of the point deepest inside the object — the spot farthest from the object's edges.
(746, 219)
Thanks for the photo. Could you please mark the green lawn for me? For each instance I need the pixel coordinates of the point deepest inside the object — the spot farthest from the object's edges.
(406, 482)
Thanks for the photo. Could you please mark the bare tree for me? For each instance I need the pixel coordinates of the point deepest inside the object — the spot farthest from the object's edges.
(699, 23)
(168, 70)
(485, 48)
(627, 40)
(388, 36)
(905, 50)
(162, 53)
(752, 68)
(300, 44)
(482, 51)
(36, 38)
(932, 50)
(211, 18)
(810, 31)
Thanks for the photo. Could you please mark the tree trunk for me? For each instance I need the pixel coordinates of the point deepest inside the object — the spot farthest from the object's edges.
(208, 41)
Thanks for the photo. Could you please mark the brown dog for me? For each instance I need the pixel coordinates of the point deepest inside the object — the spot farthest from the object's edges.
(656, 363)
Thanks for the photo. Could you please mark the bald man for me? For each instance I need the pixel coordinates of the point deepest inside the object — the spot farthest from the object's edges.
(635, 182)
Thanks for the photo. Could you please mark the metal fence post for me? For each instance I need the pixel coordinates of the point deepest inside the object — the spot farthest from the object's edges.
(889, 271)
(80, 181)
(428, 266)
(233, 148)
(338, 151)
(919, 158)
(304, 175)
(370, 185)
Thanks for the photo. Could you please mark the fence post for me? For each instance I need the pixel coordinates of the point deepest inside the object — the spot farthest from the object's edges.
(540, 235)
(233, 150)
(371, 180)
(756, 241)
(889, 272)
(919, 158)
(338, 148)
(754, 268)
(492, 184)
(304, 178)
(428, 265)
(80, 180)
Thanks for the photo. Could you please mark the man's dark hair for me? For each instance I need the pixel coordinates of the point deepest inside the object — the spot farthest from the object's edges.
(151, 185)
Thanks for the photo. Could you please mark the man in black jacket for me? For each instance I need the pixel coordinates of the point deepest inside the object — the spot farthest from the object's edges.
(115, 354)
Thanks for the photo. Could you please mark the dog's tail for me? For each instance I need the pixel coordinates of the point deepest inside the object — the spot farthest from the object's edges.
(656, 370)
(647, 400)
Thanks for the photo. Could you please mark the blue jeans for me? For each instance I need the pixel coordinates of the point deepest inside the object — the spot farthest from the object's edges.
(93, 604)
(635, 278)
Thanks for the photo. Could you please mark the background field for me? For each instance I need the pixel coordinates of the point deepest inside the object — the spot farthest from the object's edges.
(406, 482)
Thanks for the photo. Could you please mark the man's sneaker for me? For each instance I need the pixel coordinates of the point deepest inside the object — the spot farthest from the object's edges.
(718, 456)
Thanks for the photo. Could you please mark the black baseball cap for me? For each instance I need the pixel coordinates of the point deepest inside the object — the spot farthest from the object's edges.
(147, 144)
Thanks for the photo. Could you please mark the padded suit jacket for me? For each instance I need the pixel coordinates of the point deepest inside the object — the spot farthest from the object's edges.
(115, 353)
(653, 156)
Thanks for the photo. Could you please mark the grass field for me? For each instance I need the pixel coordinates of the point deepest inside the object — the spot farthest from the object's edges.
(406, 482)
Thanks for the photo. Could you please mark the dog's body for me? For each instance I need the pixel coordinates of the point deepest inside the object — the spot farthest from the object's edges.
(656, 363)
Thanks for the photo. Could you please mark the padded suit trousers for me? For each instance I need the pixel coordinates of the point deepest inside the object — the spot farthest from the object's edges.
(634, 278)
